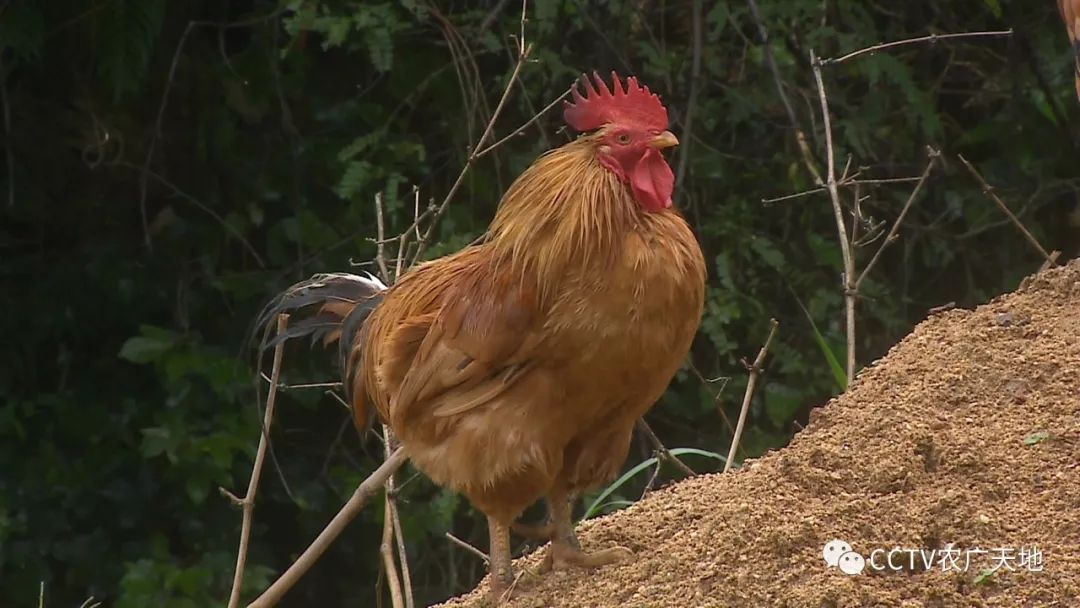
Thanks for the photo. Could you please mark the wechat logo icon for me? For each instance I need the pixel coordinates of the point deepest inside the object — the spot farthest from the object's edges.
(839, 554)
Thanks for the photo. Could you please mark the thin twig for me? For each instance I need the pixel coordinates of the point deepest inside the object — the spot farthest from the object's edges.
(311, 385)
(652, 478)
(931, 38)
(755, 371)
(464, 545)
(352, 508)
(838, 214)
(399, 581)
(380, 256)
(850, 182)
(247, 503)
(386, 549)
(988, 190)
(716, 398)
(788, 197)
(691, 103)
(524, 49)
(286, 386)
(406, 574)
(770, 60)
(527, 123)
(661, 449)
(400, 587)
(160, 120)
(147, 173)
(934, 155)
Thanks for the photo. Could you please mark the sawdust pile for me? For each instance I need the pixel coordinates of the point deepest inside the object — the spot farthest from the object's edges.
(965, 436)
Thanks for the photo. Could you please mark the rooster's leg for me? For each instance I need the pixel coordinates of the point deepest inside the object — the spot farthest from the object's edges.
(565, 549)
(499, 555)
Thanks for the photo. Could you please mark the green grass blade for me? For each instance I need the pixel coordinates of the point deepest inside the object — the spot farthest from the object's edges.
(834, 364)
(594, 508)
(697, 452)
(598, 504)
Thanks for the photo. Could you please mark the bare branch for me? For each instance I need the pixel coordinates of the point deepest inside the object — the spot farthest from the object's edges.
(932, 38)
(661, 449)
(838, 214)
(524, 49)
(464, 545)
(352, 508)
(400, 586)
(160, 120)
(934, 155)
(526, 124)
(755, 371)
(406, 574)
(770, 60)
(247, 503)
(147, 173)
(691, 103)
(380, 245)
(988, 190)
(386, 549)
(472, 157)
(842, 184)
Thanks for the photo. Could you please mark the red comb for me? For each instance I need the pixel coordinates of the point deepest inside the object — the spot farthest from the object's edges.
(599, 106)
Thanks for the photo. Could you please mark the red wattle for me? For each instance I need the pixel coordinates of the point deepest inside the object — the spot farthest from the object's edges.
(652, 181)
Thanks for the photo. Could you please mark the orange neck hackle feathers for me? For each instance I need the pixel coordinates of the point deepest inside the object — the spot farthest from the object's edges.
(564, 212)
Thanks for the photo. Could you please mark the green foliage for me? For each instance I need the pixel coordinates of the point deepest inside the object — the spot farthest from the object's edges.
(128, 31)
(127, 390)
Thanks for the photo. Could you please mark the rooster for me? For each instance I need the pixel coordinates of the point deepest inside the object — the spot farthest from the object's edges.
(516, 368)
(1070, 14)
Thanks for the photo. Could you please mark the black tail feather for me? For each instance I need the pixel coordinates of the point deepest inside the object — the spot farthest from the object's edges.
(359, 294)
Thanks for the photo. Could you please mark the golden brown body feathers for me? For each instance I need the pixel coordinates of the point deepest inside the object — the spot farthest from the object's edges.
(527, 359)
(1070, 14)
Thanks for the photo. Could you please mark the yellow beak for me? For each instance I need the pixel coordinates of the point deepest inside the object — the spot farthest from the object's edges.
(666, 139)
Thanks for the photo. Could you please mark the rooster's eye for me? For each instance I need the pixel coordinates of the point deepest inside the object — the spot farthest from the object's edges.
(623, 138)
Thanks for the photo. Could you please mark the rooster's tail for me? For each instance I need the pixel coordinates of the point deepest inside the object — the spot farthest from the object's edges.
(328, 307)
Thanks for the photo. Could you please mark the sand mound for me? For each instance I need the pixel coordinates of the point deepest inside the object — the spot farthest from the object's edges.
(966, 436)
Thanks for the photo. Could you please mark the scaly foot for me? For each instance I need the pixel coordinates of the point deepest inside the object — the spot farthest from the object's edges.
(564, 556)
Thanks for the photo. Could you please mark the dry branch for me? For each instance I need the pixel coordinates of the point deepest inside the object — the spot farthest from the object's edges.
(247, 503)
(934, 155)
(464, 545)
(352, 508)
(838, 213)
(755, 371)
(156, 134)
(842, 183)
(386, 549)
(661, 449)
(932, 38)
(988, 190)
(524, 49)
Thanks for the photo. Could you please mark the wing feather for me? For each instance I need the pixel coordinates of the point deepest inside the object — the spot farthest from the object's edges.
(478, 345)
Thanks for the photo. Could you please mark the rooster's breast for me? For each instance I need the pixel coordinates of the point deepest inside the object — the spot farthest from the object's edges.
(627, 326)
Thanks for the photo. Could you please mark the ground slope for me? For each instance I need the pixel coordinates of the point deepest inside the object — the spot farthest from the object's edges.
(967, 434)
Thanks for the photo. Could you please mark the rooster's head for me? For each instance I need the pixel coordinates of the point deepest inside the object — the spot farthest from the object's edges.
(631, 130)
